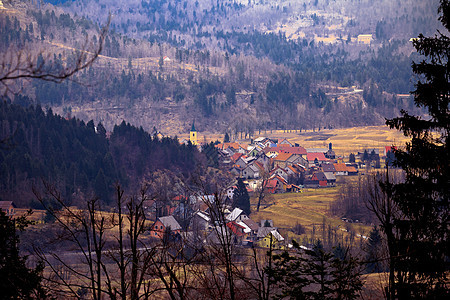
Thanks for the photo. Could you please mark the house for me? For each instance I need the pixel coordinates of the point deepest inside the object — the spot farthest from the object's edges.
(320, 178)
(365, 39)
(328, 168)
(272, 240)
(269, 236)
(237, 215)
(351, 170)
(253, 227)
(281, 184)
(341, 169)
(236, 229)
(200, 221)
(331, 179)
(251, 171)
(297, 159)
(241, 162)
(166, 59)
(8, 207)
(230, 192)
(236, 170)
(234, 147)
(293, 188)
(316, 158)
(299, 150)
(280, 172)
(158, 229)
(285, 142)
(281, 160)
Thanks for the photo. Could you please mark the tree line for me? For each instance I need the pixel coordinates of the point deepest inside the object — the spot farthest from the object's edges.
(79, 157)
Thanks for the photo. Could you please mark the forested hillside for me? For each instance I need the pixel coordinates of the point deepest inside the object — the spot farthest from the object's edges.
(236, 66)
(78, 158)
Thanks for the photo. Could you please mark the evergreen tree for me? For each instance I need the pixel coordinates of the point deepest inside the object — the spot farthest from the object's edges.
(226, 139)
(365, 156)
(373, 257)
(241, 198)
(316, 273)
(17, 280)
(421, 268)
(351, 158)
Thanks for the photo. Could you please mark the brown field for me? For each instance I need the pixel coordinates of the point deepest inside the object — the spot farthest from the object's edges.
(310, 208)
(344, 140)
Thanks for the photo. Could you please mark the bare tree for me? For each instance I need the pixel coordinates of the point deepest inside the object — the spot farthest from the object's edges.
(387, 212)
(261, 189)
(18, 62)
(114, 258)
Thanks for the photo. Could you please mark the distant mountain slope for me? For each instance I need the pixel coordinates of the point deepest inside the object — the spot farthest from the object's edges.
(228, 78)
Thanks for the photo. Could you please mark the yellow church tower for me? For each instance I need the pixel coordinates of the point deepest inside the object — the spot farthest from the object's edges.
(193, 135)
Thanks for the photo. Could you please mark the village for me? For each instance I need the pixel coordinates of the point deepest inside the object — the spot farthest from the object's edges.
(265, 166)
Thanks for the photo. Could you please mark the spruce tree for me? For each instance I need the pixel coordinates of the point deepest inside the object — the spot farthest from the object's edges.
(241, 198)
(421, 267)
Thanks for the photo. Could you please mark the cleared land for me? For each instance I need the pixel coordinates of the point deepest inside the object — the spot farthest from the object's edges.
(310, 209)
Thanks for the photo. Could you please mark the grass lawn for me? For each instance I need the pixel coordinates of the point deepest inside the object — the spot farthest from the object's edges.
(310, 209)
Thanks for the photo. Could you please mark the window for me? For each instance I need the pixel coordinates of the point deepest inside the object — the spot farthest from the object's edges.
(156, 234)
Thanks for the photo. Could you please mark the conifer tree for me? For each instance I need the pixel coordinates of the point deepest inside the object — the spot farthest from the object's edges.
(421, 266)
(17, 280)
(241, 198)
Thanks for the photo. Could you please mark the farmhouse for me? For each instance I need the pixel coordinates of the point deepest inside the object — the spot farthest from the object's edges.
(8, 207)
(162, 224)
(365, 39)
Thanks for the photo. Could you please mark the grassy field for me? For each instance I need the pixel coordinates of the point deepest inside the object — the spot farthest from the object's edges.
(345, 140)
(310, 209)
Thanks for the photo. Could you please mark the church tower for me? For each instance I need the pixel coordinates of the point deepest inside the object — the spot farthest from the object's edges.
(193, 135)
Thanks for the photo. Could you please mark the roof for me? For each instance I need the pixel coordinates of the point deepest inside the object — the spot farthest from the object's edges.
(236, 228)
(293, 169)
(328, 168)
(329, 175)
(247, 229)
(236, 156)
(193, 126)
(317, 150)
(277, 235)
(285, 142)
(319, 155)
(271, 184)
(170, 221)
(203, 215)
(340, 167)
(264, 231)
(294, 150)
(251, 224)
(235, 214)
(283, 156)
(320, 176)
(4, 205)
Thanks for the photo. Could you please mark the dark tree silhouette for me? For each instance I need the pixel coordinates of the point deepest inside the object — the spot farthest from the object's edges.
(241, 198)
(17, 280)
(421, 267)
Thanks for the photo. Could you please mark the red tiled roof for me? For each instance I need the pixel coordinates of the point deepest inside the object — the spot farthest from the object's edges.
(283, 156)
(312, 156)
(340, 167)
(236, 156)
(236, 228)
(294, 150)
